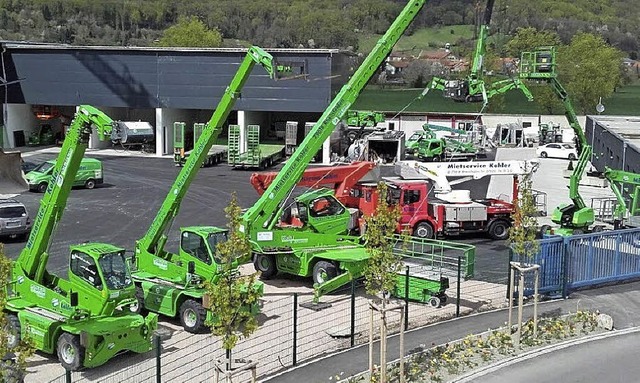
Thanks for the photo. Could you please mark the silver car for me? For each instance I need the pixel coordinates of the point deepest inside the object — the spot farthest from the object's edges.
(14, 219)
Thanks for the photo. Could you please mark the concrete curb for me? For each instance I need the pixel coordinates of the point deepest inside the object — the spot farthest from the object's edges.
(469, 377)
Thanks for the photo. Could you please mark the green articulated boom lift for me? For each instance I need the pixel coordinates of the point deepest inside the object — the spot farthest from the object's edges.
(576, 217)
(172, 284)
(85, 319)
(473, 88)
(326, 245)
(623, 184)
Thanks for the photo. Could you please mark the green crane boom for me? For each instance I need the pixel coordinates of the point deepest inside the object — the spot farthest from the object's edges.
(155, 237)
(54, 200)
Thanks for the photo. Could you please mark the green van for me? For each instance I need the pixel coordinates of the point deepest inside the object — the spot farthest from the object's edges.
(89, 175)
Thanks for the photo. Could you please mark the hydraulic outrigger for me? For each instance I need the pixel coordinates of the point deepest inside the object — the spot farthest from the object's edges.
(172, 284)
(85, 318)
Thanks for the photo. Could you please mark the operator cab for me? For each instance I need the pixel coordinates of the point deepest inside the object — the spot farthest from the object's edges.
(102, 274)
(200, 244)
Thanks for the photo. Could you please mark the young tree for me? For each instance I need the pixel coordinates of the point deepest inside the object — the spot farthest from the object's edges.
(190, 32)
(383, 265)
(232, 296)
(14, 351)
(524, 232)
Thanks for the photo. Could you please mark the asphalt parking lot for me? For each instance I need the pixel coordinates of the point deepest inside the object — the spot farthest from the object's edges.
(120, 210)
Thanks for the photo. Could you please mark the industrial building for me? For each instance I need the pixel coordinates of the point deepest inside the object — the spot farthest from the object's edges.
(615, 141)
(45, 82)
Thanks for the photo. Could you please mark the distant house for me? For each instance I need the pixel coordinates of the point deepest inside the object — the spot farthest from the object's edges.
(395, 67)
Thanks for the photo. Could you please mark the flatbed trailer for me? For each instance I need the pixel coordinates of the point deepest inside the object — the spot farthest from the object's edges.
(216, 155)
(252, 154)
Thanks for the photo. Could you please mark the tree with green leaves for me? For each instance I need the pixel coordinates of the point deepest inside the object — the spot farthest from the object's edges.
(524, 231)
(383, 265)
(190, 32)
(15, 349)
(591, 69)
(232, 296)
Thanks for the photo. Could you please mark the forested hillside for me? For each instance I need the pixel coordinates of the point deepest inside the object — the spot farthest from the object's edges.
(302, 23)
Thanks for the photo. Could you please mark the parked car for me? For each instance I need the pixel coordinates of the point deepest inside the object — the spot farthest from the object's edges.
(89, 175)
(557, 151)
(28, 166)
(14, 219)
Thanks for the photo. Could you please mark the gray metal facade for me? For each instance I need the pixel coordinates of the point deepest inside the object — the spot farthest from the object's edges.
(166, 78)
(615, 141)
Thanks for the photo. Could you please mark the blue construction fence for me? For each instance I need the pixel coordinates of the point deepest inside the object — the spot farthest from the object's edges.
(584, 261)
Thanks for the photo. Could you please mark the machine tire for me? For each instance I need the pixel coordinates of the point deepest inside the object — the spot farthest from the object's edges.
(543, 154)
(192, 316)
(70, 352)
(42, 187)
(434, 302)
(324, 271)
(423, 230)
(90, 183)
(436, 159)
(13, 331)
(266, 265)
(138, 308)
(572, 157)
(577, 232)
(499, 229)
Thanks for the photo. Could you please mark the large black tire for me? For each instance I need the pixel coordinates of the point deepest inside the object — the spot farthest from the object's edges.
(423, 230)
(70, 352)
(192, 316)
(324, 271)
(13, 331)
(499, 230)
(42, 187)
(90, 183)
(543, 154)
(266, 265)
(544, 229)
(138, 307)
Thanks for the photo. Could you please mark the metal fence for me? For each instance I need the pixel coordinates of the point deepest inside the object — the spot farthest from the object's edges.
(293, 329)
(587, 260)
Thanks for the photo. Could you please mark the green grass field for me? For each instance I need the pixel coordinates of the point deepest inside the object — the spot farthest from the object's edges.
(625, 102)
(426, 38)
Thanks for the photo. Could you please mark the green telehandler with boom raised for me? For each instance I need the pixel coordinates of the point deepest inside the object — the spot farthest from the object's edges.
(323, 241)
(172, 284)
(625, 186)
(85, 319)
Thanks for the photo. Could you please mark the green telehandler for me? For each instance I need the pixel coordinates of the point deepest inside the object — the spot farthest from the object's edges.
(316, 235)
(85, 319)
(623, 184)
(172, 284)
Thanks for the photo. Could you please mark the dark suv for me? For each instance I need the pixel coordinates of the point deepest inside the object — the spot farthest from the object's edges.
(14, 219)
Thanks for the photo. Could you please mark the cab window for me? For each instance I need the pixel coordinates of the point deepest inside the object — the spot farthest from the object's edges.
(325, 206)
(411, 196)
(84, 267)
(195, 246)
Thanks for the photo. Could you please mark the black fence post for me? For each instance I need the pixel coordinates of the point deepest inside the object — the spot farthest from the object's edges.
(158, 345)
(509, 273)
(67, 375)
(295, 327)
(458, 292)
(353, 312)
(406, 299)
